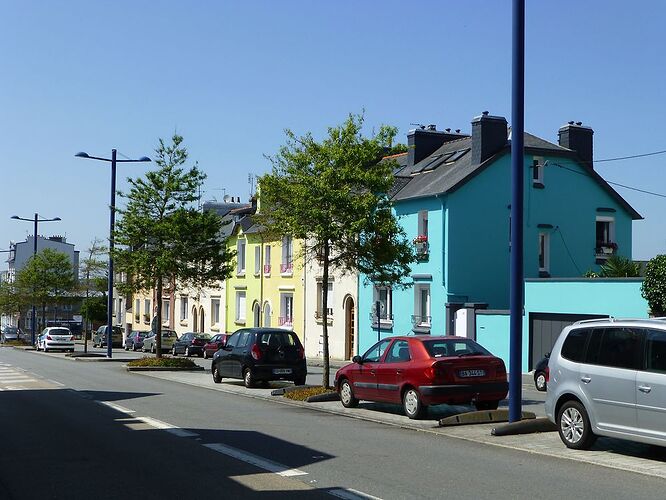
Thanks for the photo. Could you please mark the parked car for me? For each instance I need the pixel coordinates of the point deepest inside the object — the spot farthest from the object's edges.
(168, 338)
(190, 343)
(419, 371)
(216, 343)
(55, 337)
(608, 378)
(261, 355)
(541, 374)
(134, 340)
(9, 333)
(99, 338)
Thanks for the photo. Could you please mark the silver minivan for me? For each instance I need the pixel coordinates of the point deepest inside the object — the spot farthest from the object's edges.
(608, 378)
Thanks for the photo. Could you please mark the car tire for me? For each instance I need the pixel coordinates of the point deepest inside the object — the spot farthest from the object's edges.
(486, 405)
(217, 378)
(540, 381)
(300, 381)
(173, 351)
(573, 425)
(248, 379)
(347, 397)
(412, 404)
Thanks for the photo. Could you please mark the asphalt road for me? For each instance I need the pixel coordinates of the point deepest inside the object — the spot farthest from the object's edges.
(61, 442)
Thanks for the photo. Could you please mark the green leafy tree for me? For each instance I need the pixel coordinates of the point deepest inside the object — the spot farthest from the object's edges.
(162, 238)
(48, 278)
(333, 195)
(654, 285)
(617, 266)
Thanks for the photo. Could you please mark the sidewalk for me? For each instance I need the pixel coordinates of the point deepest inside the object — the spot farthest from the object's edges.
(624, 455)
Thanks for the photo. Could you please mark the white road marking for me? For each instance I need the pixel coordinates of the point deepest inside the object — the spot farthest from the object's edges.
(262, 463)
(351, 494)
(116, 407)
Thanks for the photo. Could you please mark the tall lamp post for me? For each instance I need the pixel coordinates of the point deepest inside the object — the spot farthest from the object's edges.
(36, 219)
(112, 220)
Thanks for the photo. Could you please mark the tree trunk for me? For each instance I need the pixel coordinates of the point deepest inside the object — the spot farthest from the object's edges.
(324, 315)
(158, 326)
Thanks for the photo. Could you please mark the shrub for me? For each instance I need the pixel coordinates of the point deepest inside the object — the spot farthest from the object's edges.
(306, 392)
(654, 285)
(165, 361)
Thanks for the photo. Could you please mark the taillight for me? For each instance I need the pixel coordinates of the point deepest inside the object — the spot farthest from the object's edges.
(256, 352)
(301, 352)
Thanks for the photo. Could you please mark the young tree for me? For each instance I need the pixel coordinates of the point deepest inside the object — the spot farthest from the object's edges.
(48, 277)
(333, 194)
(93, 275)
(162, 238)
(654, 285)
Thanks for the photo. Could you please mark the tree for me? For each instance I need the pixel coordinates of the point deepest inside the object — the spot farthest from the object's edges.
(333, 195)
(93, 276)
(48, 278)
(617, 266)
(654, 285)
(162, 238)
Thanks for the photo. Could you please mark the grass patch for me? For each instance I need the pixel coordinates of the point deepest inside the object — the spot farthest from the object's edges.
(164, 361)
(306, 392)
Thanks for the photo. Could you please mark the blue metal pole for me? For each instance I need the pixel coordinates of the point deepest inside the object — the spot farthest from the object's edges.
(109, 313)
(517, 186)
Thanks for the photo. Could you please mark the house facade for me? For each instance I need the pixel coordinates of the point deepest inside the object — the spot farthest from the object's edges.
(453, 195)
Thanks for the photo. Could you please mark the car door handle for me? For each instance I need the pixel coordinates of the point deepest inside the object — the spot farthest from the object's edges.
(586, 380)
(644, 388)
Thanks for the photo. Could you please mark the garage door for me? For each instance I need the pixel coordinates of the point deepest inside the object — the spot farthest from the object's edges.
(546, 327)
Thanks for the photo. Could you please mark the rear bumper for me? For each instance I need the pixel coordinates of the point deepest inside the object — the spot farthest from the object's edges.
(460, 393)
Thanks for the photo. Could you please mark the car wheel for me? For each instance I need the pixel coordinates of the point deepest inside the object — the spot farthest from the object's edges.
(217, 378)
(173, 351)
(574, 427)
(248, 379)
(540, 381)
(347, 397)
(187, 352)
(412, 405)
(486, 405)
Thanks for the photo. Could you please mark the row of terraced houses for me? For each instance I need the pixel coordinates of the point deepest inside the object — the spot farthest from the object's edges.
(452, 195)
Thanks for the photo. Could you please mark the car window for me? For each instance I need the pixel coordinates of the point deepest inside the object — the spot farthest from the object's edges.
(398, 352)
(618, 347)
(375, 353)
(573, 348)
(233, 340)
(655, 351)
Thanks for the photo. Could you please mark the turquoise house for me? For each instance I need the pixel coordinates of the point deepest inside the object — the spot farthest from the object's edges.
(452, 193)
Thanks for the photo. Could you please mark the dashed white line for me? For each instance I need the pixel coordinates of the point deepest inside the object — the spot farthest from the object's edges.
(262, 463)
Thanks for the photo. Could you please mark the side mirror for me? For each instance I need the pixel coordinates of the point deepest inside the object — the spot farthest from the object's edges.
(357, 359)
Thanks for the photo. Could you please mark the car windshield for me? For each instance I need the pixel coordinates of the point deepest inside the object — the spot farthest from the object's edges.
(60, 331)
(277, 339)
(454, 347)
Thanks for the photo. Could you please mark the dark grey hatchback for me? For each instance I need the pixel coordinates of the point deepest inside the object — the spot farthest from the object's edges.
(261, 355)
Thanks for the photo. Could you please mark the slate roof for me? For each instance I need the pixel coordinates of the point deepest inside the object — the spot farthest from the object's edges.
(450, 167)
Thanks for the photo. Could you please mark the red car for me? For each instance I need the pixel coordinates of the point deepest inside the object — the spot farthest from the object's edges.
(419, 371)
(216, 343)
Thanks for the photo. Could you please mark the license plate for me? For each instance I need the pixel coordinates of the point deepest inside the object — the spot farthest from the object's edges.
(281, 371)
(471, 373)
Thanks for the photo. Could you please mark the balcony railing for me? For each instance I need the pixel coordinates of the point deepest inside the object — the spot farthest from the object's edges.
(287, 268)
(285, 321)
(267, 269)
(421, 320)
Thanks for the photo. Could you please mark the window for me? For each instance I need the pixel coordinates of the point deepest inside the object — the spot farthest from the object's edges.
(184, 309)
(215, 311)
(166, 311)
(240, 306)
(537, 171)
(382, 295)
(375, 353)
(605, 235)
(573, 348)
(423, 225)
(320, 300)
(287, 255)
(240, 257)
(286, 309)
(267, 259)
(544, 252)
(656, 351)
(257, 260)
(421, 305)
(399, 352)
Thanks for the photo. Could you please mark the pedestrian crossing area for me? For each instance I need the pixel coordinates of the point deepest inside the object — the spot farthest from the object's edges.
(16, 379)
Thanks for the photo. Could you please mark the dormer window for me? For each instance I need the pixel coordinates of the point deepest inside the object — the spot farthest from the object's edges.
(537, 172)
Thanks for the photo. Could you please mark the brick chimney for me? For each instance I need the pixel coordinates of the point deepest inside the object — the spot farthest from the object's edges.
(425, 140)
(578, 138)
(489, 136)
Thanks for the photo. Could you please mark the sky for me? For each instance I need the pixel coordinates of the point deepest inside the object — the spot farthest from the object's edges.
(230, 77)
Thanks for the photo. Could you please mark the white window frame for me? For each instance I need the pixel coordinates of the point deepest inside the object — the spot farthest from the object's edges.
(241, 306)
(544, 246)
(257, 260)
(421, 319)
(538, 165)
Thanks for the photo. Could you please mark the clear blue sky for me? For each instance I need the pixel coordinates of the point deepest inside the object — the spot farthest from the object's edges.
(231, 76)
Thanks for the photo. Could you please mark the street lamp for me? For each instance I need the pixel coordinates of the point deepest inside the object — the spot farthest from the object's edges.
(112, 220)
(35, 220)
